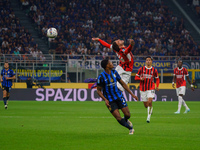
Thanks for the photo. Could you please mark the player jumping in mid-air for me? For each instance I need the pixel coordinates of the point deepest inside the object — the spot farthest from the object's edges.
(125, 56)
(146, 76)
(112, 96)
(179, 74)
(7, 75)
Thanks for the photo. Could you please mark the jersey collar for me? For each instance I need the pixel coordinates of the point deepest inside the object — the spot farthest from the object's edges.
(148, 68)
(180, 69)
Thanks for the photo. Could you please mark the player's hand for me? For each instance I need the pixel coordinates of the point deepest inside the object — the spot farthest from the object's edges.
(107, 103)
(157, 89)
(173, 85)
(95, 39)
(132, 42)
(135, 97)
(142, 78)
(192, 88)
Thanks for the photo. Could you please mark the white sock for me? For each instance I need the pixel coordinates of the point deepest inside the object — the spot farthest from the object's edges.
(151, 109)
(184, 104)
(179, 103)
(148, 112)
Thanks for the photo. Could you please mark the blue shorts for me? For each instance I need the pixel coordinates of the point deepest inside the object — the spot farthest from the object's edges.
(117, 104)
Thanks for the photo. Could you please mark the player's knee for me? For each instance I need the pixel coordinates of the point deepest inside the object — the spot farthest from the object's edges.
(119, 118)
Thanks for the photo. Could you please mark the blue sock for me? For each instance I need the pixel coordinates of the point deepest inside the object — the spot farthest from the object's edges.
(5, 100)
(126, 118)
(124, 123)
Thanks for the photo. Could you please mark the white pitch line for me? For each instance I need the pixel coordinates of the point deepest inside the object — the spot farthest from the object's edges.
(91, 117)
(140, 117)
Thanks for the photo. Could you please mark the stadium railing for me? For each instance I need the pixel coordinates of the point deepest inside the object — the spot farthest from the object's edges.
(77, 68)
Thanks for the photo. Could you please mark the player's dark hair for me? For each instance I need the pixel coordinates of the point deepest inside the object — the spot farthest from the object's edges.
(104, 63)
(6, 62)
(150, 57)
(115, 46)
(180, 60)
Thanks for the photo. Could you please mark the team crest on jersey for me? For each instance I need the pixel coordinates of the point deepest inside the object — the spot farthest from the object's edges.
(6, 73)
(123, 49)
(111, 80)
(114, 75)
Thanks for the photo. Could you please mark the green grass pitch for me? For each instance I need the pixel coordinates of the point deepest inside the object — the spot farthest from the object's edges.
(32, 125)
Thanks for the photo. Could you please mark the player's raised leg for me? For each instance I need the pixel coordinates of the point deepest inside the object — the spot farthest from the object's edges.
(122, 121)
(127, 115)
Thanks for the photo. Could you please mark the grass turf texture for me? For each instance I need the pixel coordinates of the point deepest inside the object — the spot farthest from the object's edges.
(31, 125)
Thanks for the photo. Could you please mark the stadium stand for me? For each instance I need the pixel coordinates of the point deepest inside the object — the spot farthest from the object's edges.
(150, 23)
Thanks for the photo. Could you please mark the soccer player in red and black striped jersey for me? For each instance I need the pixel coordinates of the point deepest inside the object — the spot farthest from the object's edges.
(125, 56)
(179, 74)
(146, 75)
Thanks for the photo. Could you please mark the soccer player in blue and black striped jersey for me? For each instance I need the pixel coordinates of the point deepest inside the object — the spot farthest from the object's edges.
(7, 75)
(113, 97)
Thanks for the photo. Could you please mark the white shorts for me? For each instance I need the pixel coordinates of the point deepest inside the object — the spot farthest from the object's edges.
(180, 90)
(147, 94)
(125, 76)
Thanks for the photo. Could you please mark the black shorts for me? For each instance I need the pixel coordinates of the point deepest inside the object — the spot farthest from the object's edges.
(6, 88)
(117, 104)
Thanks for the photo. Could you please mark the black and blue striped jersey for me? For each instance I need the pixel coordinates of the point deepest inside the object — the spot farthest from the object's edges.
(109, 84)
(8, 73)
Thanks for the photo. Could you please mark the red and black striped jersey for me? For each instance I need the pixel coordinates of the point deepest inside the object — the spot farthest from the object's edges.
(126, 59)
(149, 74)
(180, 76)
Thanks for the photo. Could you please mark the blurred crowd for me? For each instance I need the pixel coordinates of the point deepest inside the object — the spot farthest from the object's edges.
(154, 28)
(14, 38)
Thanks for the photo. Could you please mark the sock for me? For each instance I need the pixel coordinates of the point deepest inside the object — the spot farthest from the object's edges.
(5, 100)
(126, 118)
(148, 112)
(179, 103)
(184, 104)
(124, 123)
(151, 109)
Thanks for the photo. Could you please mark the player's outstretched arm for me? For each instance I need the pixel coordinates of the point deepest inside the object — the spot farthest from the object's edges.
(124, 85)
(101, 95)
(102, 42)
(192, 86)
(129, 48)
(95, 39)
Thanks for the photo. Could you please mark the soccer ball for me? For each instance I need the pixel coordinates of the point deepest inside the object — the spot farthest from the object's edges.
(52, 33)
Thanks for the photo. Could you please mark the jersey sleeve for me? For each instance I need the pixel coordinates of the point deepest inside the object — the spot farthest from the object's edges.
(186, 72)
(156, 74)
(128, 49)
(2, 72)
(105, 44)
(100, 81)
(139, 72)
